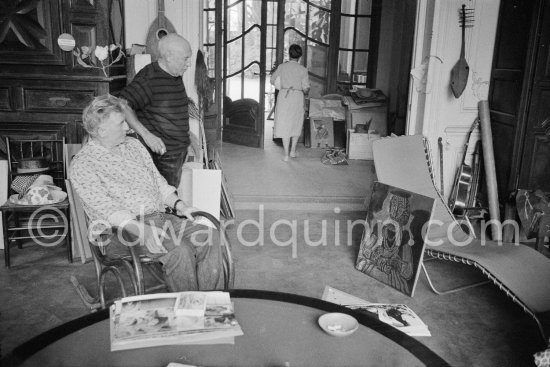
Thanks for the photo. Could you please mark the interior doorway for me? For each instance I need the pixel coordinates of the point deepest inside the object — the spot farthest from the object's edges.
(240, 52)
(339, 39)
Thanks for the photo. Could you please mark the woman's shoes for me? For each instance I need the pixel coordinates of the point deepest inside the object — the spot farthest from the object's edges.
(293, 155)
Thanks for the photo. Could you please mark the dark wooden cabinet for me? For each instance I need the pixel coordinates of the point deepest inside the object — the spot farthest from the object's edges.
(519, 98)
(43, 89)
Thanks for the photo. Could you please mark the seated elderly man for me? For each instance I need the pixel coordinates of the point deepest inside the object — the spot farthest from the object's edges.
(120, 186)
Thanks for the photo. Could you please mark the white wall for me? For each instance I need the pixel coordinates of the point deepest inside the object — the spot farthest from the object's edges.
(435, 112)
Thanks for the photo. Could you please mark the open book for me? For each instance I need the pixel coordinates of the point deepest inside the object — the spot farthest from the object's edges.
(399, 316)
(173, 318)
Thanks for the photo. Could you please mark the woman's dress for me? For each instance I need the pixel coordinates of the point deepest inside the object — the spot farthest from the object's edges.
(289, 111)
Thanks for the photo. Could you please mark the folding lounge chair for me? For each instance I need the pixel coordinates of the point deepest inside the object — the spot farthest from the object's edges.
(521, 272)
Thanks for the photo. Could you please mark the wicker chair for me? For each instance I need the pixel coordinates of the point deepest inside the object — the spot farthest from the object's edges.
(134, 265)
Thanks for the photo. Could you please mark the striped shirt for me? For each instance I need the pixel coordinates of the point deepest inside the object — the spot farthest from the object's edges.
(161, 105)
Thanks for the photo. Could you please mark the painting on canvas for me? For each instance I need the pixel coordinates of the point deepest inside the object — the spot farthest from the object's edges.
(322, 132)
(393, 239)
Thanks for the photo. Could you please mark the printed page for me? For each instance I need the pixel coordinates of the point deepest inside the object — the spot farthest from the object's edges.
(152, 320)
(341, 298)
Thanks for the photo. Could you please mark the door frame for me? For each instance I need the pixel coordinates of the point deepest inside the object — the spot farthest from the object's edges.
(221, 64)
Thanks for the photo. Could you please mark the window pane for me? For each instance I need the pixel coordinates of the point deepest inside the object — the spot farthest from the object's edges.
(270, 37)
(346, 32)
(210, 33)
(272, 12)
(317, 59)
(234, 87)
(253, 13)
(234, 56)
(209, 54)
(295, 15)
(234, 20)
(319, 24)
(322, 3)
(365, 7)
(344, 65)
(269, 59)
(348, 6)
(363, 29)
(361, 62)
(252, 47)
(252, 83)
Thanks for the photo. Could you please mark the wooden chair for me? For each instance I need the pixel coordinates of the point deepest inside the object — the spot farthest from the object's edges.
(41, 223)
(133, 264)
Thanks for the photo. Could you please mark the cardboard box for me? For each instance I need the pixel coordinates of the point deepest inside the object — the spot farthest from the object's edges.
(359, 145)
(377, 116)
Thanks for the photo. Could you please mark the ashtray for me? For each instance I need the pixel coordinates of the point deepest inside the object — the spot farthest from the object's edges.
(338, 324)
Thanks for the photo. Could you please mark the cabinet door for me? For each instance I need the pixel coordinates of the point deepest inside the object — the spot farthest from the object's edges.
(505, 97)
(29, 31)
(535, 168)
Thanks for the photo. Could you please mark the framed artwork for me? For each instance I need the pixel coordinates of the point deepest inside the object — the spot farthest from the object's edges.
(392, 245)
(321, 132)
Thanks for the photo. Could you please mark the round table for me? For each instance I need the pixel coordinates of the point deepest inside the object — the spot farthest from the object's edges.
(280, 329)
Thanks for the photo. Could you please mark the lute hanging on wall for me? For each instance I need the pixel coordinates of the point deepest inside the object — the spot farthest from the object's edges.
(159, 28)
(461, 70)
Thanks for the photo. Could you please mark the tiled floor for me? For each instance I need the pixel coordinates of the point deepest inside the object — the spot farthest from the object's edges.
(255, 175)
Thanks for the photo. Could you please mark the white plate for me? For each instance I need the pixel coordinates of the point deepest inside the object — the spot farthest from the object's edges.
(338, 324)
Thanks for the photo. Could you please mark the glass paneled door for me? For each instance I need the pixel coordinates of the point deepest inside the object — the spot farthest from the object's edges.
(244, 70)
(339, 39)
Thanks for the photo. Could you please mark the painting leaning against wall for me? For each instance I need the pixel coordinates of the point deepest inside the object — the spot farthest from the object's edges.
(393, 239)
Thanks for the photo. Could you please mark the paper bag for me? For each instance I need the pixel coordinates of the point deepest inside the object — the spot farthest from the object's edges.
(201, 188)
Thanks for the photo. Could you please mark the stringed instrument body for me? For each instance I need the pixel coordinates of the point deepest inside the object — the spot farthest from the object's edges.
(159, 28)
(461, 70)
(458, 199)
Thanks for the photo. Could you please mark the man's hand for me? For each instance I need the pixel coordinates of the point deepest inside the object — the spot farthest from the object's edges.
(183, 210)
(154, 143)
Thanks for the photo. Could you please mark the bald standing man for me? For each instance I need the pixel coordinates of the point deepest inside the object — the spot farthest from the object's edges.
(158, 106)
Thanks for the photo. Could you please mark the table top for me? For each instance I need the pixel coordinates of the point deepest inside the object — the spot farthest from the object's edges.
(280, 329)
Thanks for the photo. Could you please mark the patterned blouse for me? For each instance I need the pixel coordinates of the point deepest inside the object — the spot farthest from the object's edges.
(117, 185)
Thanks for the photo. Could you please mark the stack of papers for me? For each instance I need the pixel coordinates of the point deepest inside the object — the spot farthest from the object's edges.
(173, 318)
(400, 316)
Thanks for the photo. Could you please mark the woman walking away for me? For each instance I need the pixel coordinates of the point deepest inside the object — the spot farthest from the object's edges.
(293, 81)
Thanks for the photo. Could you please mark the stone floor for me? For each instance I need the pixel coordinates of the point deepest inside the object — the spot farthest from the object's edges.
(476, 327)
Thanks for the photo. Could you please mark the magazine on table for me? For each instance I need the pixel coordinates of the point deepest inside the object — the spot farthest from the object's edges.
(173, 318)
(400, 316)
